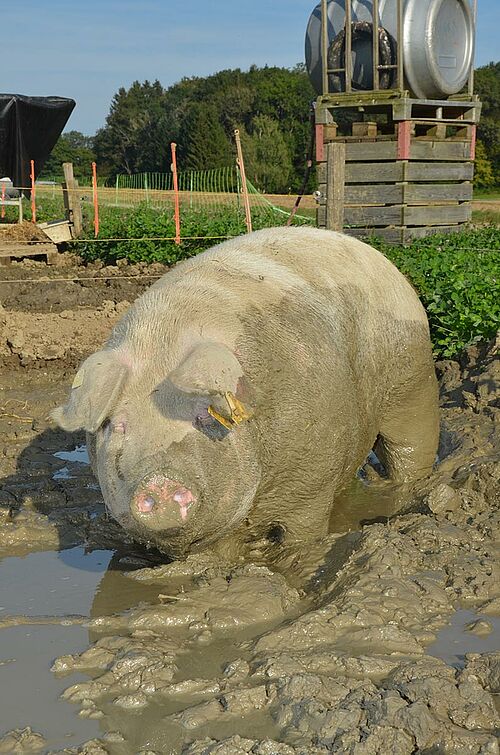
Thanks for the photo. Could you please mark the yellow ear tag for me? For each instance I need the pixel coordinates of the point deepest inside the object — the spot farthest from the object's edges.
(78, 381)
(222, 420)
(237, 411)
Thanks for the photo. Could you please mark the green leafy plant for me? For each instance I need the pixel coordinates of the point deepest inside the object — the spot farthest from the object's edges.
(458, 280)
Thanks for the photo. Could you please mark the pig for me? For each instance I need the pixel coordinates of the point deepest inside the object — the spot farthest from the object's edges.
(242, 391)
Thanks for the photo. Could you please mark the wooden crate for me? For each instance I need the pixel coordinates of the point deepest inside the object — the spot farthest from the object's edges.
(397, 188)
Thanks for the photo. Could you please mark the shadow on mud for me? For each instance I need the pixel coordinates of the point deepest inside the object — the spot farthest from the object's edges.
(55, 502)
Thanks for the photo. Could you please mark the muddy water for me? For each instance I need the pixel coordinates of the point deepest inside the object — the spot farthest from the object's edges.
(45, 600)
(466, 632)
(381, 638)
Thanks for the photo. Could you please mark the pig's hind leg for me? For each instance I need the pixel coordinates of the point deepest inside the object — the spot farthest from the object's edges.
(409, 433)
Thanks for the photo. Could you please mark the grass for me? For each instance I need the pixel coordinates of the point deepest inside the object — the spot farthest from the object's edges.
(493, 193)
(486, 217)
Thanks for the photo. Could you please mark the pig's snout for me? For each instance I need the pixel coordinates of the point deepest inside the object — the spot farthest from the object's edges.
(162, 503)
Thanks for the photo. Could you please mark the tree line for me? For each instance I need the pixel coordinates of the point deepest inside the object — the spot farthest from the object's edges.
(270, 106)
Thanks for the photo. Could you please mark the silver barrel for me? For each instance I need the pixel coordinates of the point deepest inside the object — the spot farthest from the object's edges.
(438, 43)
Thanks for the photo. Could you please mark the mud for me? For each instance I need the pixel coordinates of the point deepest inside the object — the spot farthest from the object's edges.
(382, 638)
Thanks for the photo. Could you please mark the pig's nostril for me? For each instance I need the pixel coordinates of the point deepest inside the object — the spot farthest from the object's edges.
(183, 496)
(145, 505)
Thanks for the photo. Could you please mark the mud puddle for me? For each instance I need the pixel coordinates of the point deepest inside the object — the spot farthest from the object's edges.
(467, 632)
(46, 601)
(78, 455)
(49, 588)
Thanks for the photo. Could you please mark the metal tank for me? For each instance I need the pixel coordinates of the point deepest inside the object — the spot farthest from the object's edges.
(438, 44)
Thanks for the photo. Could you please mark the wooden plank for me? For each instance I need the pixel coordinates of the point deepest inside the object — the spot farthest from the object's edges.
(438, 214)
(419, 232)
(8, 252)
(330, 132)
(321, 216)
(431, 192)
(440, 150)
(440, 171)
(453, 150)
(392, 235)
(26, 250)
(370, 150)
(370, 173)
(321, 172)
(72, 200)
(364, 128)
(374, 194)
(335, 186)
(392, 172)
(374, 216)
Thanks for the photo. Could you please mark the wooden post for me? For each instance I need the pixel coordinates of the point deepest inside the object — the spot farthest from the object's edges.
(470, 87)
(375, 48)
(324, 46)
(72, 201)
(241, 165)
(96, 200)
(33, 192)
(404, 140)
(335, 185)
(348, 46)
(400, 62)
(177, 213)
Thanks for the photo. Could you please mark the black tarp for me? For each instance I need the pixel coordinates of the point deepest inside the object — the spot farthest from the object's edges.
(29, 129)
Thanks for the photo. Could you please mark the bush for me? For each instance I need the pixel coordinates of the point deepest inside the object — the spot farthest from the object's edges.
(458, 280)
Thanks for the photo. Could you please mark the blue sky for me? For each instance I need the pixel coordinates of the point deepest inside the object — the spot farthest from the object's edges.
(89, 50)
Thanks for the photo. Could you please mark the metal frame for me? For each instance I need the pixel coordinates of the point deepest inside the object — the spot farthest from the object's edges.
(377, 68)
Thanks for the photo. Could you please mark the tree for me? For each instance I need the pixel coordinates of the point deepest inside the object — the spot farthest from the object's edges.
(137, 131)
(484, 177)
(267, 156)
(205, 144)
(487, 85)
(72, 147)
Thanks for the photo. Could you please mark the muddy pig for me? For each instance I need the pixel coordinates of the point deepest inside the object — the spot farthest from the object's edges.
(243, 390)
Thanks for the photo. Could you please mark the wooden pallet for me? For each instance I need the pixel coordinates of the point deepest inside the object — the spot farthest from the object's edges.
(399, 106)
(397, 189)
(19, 250)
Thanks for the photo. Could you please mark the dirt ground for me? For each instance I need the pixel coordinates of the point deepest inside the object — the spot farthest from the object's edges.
(383, 639)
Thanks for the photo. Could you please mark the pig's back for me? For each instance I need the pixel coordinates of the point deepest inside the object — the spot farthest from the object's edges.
(295, 275)
(323, 261)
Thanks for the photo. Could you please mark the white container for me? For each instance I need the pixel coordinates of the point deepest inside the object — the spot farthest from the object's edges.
(438, 43)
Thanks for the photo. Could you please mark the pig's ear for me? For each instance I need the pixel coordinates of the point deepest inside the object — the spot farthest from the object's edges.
(208, 369)
(95, 390)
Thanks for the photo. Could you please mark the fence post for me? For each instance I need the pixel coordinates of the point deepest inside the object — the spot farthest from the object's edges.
(96, 200)
(241, 165)
(335, 186)
(177, 215)
(3, 200)
(33, 192)
(71, 199)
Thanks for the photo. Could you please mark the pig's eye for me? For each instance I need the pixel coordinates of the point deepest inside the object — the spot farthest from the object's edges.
(210, 427)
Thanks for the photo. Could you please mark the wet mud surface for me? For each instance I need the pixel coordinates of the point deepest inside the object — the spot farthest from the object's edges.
(382, 638)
